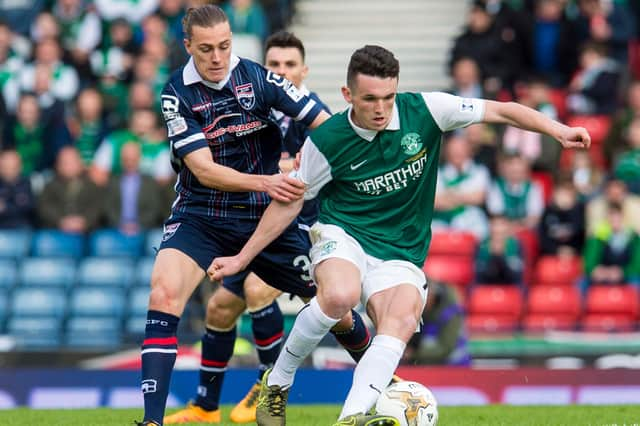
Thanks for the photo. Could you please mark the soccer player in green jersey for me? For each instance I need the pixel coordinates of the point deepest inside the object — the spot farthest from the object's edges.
(373, 168)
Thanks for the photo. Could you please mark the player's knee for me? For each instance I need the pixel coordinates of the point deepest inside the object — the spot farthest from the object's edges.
(258, 296)
(220, 316)
(337, 302)
(163, 296)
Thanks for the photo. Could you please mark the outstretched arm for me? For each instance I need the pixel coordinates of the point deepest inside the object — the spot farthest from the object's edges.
(276, 218)
(527, 118)
(279, 186)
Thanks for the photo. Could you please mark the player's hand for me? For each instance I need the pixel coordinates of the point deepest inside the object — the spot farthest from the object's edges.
(296, 163)
(284, 188)
(574, 137)
(223, 267)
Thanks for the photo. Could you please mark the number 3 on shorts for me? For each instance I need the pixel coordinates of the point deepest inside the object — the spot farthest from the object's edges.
(303, 263)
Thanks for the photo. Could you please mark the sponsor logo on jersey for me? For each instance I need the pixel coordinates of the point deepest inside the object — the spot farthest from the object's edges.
(239, 129)
(395, 180)
(411, 143)
(244, 93)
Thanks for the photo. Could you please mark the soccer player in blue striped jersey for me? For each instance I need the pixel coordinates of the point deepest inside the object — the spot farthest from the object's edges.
(225, 147)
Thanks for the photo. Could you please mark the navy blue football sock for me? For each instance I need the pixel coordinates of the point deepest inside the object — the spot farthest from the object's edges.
(217, 349)
(357, 339)
(159, 351)
(267, 325)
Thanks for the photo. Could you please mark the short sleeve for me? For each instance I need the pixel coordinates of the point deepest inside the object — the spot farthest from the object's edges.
(282, 95)
(184, 131)
(453, 112)
(103, 157)
(315, 170)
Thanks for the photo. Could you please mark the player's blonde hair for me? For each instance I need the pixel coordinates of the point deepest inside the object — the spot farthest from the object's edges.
(207, 15)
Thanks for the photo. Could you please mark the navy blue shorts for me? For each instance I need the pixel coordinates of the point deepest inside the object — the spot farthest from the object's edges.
(283, 264)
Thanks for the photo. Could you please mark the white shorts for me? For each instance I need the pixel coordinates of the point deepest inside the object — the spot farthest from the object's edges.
(331, 241)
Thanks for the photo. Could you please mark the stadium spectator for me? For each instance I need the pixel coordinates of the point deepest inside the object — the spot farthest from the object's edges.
(70, 201)
(442, 339)
(534, 93)
(608, 22)
(587, 177)
(466, 79)
(484, 145)
(21, 14)
(499, 257)
(615, 192)
(593, 89)
(117, 53)
(612, 253)
(514, 195)
(562, 227)
(172, 11)
(132, 201)
(615, 143)
(143, 129)
(142, 96)
(36, 141)
(156, 28)
(219, 202)
(247, 17)
(627, 167)
(81, 32)
(62, 82)
(87, 124)
(11, 62)
(461, 191)
(554, 46)
(389, 279)
(17, 203)
(133, 11)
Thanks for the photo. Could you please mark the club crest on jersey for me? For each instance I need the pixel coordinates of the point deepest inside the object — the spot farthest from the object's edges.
(169, 230)
(411, 143)
(244, 93)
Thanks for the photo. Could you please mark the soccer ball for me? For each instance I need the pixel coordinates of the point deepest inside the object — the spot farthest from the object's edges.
(409, 402)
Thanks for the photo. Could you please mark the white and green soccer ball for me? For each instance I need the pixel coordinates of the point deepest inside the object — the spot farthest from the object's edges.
(411, 403)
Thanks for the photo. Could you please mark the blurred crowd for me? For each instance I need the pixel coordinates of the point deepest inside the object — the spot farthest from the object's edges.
(573, 60)
(83, 145)
(82, 142)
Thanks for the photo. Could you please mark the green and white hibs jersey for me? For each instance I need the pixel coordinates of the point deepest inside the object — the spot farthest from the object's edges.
(380, 186)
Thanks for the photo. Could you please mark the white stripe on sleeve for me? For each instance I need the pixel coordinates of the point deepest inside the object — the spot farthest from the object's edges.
(186, 141)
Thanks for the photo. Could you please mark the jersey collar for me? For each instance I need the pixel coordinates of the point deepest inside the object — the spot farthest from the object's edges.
(367, 134)
(190, 74)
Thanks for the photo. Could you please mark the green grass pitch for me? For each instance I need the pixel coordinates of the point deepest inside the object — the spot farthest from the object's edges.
(324, 415)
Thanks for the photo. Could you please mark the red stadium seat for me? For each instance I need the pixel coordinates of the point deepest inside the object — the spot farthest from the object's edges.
(454, 270)
(555, 270)
(613, 300)
(503, 300)
(597, 125)
(453, 244)
(608, 322)
(488, 323)
(542, 322)
(552, 307)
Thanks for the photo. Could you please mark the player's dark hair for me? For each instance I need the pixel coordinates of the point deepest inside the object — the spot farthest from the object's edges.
(284, 39)
(207, 15)
(374, 61)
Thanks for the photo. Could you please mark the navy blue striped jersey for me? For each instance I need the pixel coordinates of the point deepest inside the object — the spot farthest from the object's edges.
(294, 134)
(231, 118)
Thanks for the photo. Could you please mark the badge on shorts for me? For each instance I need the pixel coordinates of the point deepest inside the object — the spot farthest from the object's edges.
(244, 93)
(169, 230)
(328, 247)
